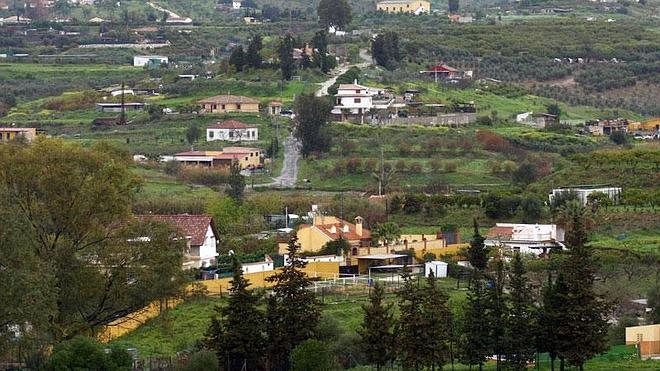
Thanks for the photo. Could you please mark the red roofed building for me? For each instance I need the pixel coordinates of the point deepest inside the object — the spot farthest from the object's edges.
(200, 233)
(232, 130)
(443, 71)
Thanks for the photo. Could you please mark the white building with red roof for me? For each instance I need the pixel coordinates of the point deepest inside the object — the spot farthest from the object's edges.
(232, 131)
(200, 233)
(536, 239)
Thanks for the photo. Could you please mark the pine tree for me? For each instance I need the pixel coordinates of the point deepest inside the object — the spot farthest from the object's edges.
(294, 313)
(520, 330)
(474, 341)
(236, 333)
(478, 252)
(376, 330)
(410, 326)
(435, 327)
(236, 183)
(553, 328)
(585, 311)
(237, 58)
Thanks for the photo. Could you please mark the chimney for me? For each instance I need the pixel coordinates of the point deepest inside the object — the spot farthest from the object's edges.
(345, 228)
(333, 229)
(358, 225)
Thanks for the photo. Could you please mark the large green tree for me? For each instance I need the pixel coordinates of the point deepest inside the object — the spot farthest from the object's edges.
(236, 183)
(585, 311)
(293, 311)
(387, 232)
(236, 334)
(474, 342)
(334, 13)
(312, 117)
(285, 53)
(75, 203)
(478, 252)
(253, 54)
(520, 323)
(385, 50)
(409, 329)
(376, 329)
(437, 320)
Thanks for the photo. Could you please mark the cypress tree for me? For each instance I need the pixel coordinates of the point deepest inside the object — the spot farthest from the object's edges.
(520, 324)
(410, 336)
(435, 327)
(253, 54)
(236, 182)
(376, 330)
(474, 341)
(236, 333)
(478, 252)
(496, 310)
(294, 313)
(585, 311)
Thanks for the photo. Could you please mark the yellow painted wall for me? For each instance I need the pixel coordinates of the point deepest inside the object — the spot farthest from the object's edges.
(311, 239)
(404, 6)
(29, 134)
(440, 251)
(122, 326)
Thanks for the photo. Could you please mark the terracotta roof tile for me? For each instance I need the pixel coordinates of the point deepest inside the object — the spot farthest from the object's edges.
(228, 99)
(500, 232)
(194, 226)
(231, 125)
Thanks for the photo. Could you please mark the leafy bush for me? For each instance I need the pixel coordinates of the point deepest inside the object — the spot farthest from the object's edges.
(202, 360)
(84, 353)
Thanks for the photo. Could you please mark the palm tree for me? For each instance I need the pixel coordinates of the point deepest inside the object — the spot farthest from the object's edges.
(387, 232)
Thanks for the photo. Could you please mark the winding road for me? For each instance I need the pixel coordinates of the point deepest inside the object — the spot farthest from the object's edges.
(289, 175)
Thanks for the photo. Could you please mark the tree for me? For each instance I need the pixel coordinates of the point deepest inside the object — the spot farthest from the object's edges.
(253, 55)
(409, 329)
(236, 183)
(76, 204)
(193, 133)
(376, 329)
(285, 52)
(524, 175)
(293, 312)
(437, 319)
(496, 309)
(312, 355)
(585, 311)
(387, 232)
(519, 334)
(202, 360)
(553, 109)
(385, 50)
(478, 252)
(551, 319)
(334, 13)
(340, 247)
(453, 6)
(312, 117)
(618, 137)
(83, 353)
(238, 58)
(236, 333)
(654, 304)
(532, 209)
(474, 341)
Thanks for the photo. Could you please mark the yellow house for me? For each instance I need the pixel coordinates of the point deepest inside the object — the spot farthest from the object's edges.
(7, 134)
(416, 7)
(330, 228)
(647, 338)
(229, 104)
(648, 126)
(247, 158)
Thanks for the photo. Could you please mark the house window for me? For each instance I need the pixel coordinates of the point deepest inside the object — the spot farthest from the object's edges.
(246, 159)
(238, 106)
(251, 154)
(357, 100)
(211, 134)
(231, 134)
(357, 92)
(214, 107)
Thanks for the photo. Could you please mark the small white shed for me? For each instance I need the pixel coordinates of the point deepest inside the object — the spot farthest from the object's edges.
(438, 268)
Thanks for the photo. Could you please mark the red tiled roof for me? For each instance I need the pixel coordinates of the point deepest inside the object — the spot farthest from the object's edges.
(500, 232)
(228, 99)
(231, 125)
(443, 68)
(351, 235)
(194, 226)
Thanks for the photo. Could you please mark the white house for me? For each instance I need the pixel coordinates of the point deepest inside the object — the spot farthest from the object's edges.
(536, 239)
(232, 131)
(438, 268)
(143, 60)
(236, 4)
(583, 192)
(200, 233)
(354, 100)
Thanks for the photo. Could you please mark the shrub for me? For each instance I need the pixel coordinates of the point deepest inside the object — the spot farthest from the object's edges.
(618, 137)
(202, 176)
(435, 165)
(84, 353)
(312, 355)
(202, 360)
(400, 165)
(416, 167)
(172, 167)
(450, 166)
(353, 165)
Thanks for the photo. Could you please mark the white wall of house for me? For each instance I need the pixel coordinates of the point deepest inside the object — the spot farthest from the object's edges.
(232, 135)
(583, 193)
(208, 251)
(265, 266)
(143, 60)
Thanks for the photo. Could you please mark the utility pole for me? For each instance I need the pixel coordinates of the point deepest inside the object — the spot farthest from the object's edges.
(122, 115)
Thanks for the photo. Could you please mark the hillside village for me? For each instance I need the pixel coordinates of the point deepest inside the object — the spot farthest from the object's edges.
(329, 184)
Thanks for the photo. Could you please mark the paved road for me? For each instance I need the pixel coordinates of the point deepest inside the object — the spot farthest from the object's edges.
(289, 175)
